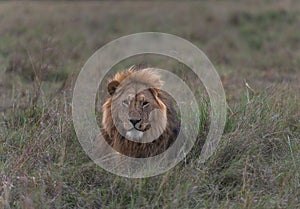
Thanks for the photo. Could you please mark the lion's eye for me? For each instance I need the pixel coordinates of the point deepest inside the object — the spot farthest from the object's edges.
(145, 104)
(125, 103)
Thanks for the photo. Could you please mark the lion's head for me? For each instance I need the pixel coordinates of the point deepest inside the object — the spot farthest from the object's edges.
(138, 118)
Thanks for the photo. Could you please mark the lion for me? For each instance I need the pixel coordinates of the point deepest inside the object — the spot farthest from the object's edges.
(139, 119)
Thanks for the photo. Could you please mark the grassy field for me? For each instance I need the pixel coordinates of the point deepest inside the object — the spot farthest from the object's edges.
(255, 48)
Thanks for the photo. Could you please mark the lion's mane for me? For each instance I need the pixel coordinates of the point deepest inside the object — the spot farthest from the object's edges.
(172, 125)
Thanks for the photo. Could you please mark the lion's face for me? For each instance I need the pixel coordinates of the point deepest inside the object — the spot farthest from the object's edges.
(137, 112)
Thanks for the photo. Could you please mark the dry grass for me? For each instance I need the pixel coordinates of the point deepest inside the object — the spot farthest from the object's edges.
(255, 48)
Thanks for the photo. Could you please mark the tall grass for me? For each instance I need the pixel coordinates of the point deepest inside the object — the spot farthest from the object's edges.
(43, 165)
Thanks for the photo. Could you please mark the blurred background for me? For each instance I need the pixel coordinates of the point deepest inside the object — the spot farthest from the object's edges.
(254, 46)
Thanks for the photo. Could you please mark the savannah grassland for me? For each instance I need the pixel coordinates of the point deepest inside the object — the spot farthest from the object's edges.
(255, 48)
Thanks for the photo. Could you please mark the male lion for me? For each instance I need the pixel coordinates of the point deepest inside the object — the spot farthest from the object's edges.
(139, 120)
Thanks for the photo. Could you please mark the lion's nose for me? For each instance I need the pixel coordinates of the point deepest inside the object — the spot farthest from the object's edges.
(134, 122)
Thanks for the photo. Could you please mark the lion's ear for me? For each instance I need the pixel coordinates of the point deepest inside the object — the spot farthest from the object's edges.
(112, 86)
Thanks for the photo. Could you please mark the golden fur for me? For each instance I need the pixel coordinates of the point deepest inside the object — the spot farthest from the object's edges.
(163, 123)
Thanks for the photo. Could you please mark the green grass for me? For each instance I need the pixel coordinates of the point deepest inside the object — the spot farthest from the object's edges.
(257, 160)
(255, 49)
